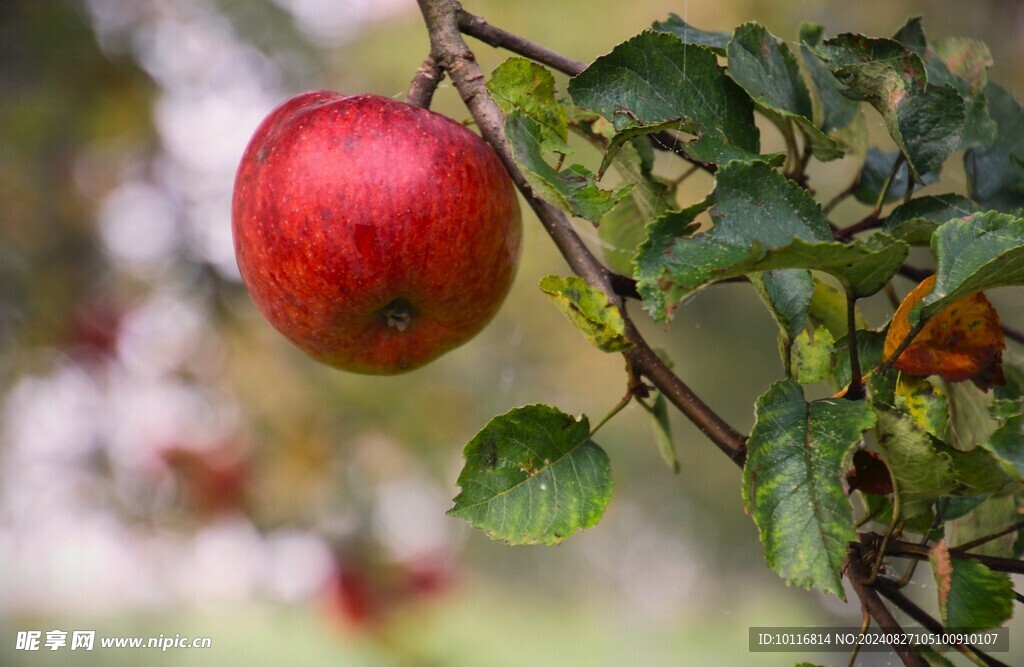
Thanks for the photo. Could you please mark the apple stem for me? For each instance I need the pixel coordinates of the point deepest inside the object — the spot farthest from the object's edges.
(398, 314)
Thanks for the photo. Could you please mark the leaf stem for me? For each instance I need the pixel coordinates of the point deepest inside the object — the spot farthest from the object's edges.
(855, 391)
(792, 150)
(864, 625)
(904, 344)
(623, 402)
(897, 163)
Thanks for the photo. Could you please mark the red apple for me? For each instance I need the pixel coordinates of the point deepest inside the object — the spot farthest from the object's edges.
(373, 234)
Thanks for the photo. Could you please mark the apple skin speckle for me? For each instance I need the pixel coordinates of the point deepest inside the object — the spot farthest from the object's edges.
(344, 205)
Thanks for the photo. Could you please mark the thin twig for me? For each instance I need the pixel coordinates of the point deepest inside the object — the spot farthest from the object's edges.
(915, 273)
(871, 221)
(903, 549)
(1013, 334)
(476, 26)
(988, 538)
(421, 90)
(450, 52)
(874, 606)
(840, 197)
(897, 163)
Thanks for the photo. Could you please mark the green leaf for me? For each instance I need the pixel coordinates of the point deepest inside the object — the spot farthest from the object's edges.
(622, 230)
(977, 253)
(655, 81)
(876, 169)
(662, 430)
(536, 127)
(839, 117)
(961, 63)
(925, 121)
(589, 311)
(574, 189)
(920, 473)
(978, 471)
(995, 175)
(915, 221)
(812, 360)
(787, 293)
(765, 67)
(527, 88)
(971, 596)
(958, 506)
(969, 415)
(828, 308)
(791, 232)
(533, 476)
(1007, 444)
(992, 515)
(792, 486)
(925, 403)
(716, 41)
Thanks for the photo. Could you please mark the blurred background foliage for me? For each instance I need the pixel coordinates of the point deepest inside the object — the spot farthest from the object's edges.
(169, 465)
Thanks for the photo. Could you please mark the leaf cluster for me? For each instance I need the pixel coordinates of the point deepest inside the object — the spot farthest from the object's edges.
(891, 446)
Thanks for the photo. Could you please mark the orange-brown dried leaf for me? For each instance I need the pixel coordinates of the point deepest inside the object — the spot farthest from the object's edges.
(963, 341)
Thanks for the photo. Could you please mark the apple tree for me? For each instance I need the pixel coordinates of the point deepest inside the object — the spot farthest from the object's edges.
(918, 454)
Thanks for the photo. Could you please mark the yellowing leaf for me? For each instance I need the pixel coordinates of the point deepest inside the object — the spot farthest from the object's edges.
(588, 309)
(962, 341)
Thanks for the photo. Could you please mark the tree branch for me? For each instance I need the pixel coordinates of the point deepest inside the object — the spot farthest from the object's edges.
(450, 52)
(873, 605)
(985, 539)
(891, 591)
(902, 549)
(421, 90)
(476, 26)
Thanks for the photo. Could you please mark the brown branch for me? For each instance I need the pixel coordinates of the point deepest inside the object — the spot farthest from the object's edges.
(915, 273)
(840, 197)
(890, 589)
(1013, 334)
(476, 26)
(873, 605)
(450, 52)
(871, 221)
(985, 539)
(421, 90)
(902, 549)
